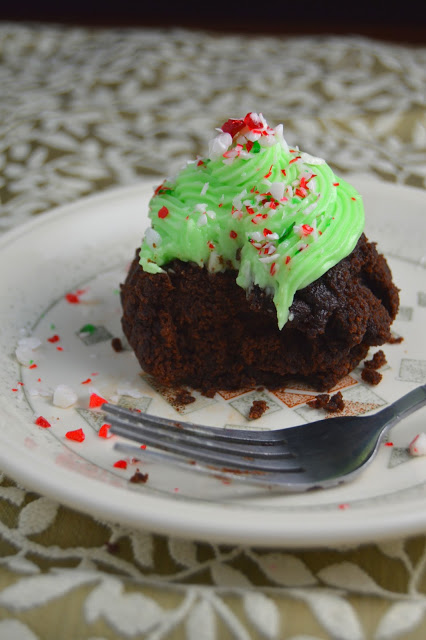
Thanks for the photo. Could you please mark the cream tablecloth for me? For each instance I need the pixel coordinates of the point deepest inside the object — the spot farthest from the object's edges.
(84, 110)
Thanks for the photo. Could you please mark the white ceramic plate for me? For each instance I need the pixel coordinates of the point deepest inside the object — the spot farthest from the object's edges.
(83, 249)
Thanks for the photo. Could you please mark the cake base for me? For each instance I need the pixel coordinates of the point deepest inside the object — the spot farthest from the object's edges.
(188, 326)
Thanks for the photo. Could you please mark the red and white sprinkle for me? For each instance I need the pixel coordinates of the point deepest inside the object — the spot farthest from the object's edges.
(417, 446)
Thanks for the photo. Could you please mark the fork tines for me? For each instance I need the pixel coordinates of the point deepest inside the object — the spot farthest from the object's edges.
(229, 448)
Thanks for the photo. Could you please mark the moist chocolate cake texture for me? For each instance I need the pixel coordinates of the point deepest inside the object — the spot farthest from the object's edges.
(189, 326)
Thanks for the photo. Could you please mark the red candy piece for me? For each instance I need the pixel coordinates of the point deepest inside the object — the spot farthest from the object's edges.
(120, 464)
(77, 435)
(232, 126)
(42, 422)
(96, 401)
(158, 189)
(252, 123)
(104, 431)
(268, 175)
(33, 366)
(163, 212)
(72, 298)
(306, 229)
(54, 338)
(233, 234)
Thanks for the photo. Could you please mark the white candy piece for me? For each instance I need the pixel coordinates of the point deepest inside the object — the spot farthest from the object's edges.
(152, 237)
(306, 157)
(277, 190)
(219, 145)
(25, 350)
(417, 446)
(42, 391)
(30, 342)
(24, 355)
(64, 396)
(125, 389)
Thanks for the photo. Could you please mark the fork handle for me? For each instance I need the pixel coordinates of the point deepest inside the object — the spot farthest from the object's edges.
(403, 407)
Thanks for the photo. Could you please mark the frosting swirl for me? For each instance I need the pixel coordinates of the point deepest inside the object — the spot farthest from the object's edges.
(277, 215)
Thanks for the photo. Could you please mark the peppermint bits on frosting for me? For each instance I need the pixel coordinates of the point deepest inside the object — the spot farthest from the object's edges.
(152, 238)
(270, 212)
(219, 145)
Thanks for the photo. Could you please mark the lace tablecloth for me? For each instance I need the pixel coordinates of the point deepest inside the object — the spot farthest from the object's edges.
(83, 110)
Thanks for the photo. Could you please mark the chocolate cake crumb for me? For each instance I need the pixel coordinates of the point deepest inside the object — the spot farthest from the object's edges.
(377, 361)
(183, 397)
(336, 403)
(138, 477)
(323, 401)
(320, 401)
(395, 339)
(257, 409)
(209, 393)
(371, 376)
(117, 345)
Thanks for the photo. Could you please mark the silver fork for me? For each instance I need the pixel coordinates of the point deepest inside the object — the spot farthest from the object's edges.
(318, 454)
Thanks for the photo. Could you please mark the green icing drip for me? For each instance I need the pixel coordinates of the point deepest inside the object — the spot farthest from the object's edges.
(226, 223)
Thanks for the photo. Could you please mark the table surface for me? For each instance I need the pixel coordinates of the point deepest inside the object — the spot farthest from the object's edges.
(82, 110)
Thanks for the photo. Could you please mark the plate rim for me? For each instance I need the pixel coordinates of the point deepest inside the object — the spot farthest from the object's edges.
(183, 521)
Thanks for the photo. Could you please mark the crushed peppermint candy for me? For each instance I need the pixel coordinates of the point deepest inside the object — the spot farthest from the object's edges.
(277, 190)
(77, 435)
(303, 230)
(40, 390)
(306, 157)
(104, 431)
(219, 145)
(96, 401)
(126, 389)
(417, 446)
(282, 192)
(64, 396)
(42, 422)
(152, 238)
(25, 350)
(163, 212)
(75, 296)
(120, 464)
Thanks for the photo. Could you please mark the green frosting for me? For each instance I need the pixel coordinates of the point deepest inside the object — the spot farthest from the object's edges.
(279, 216)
